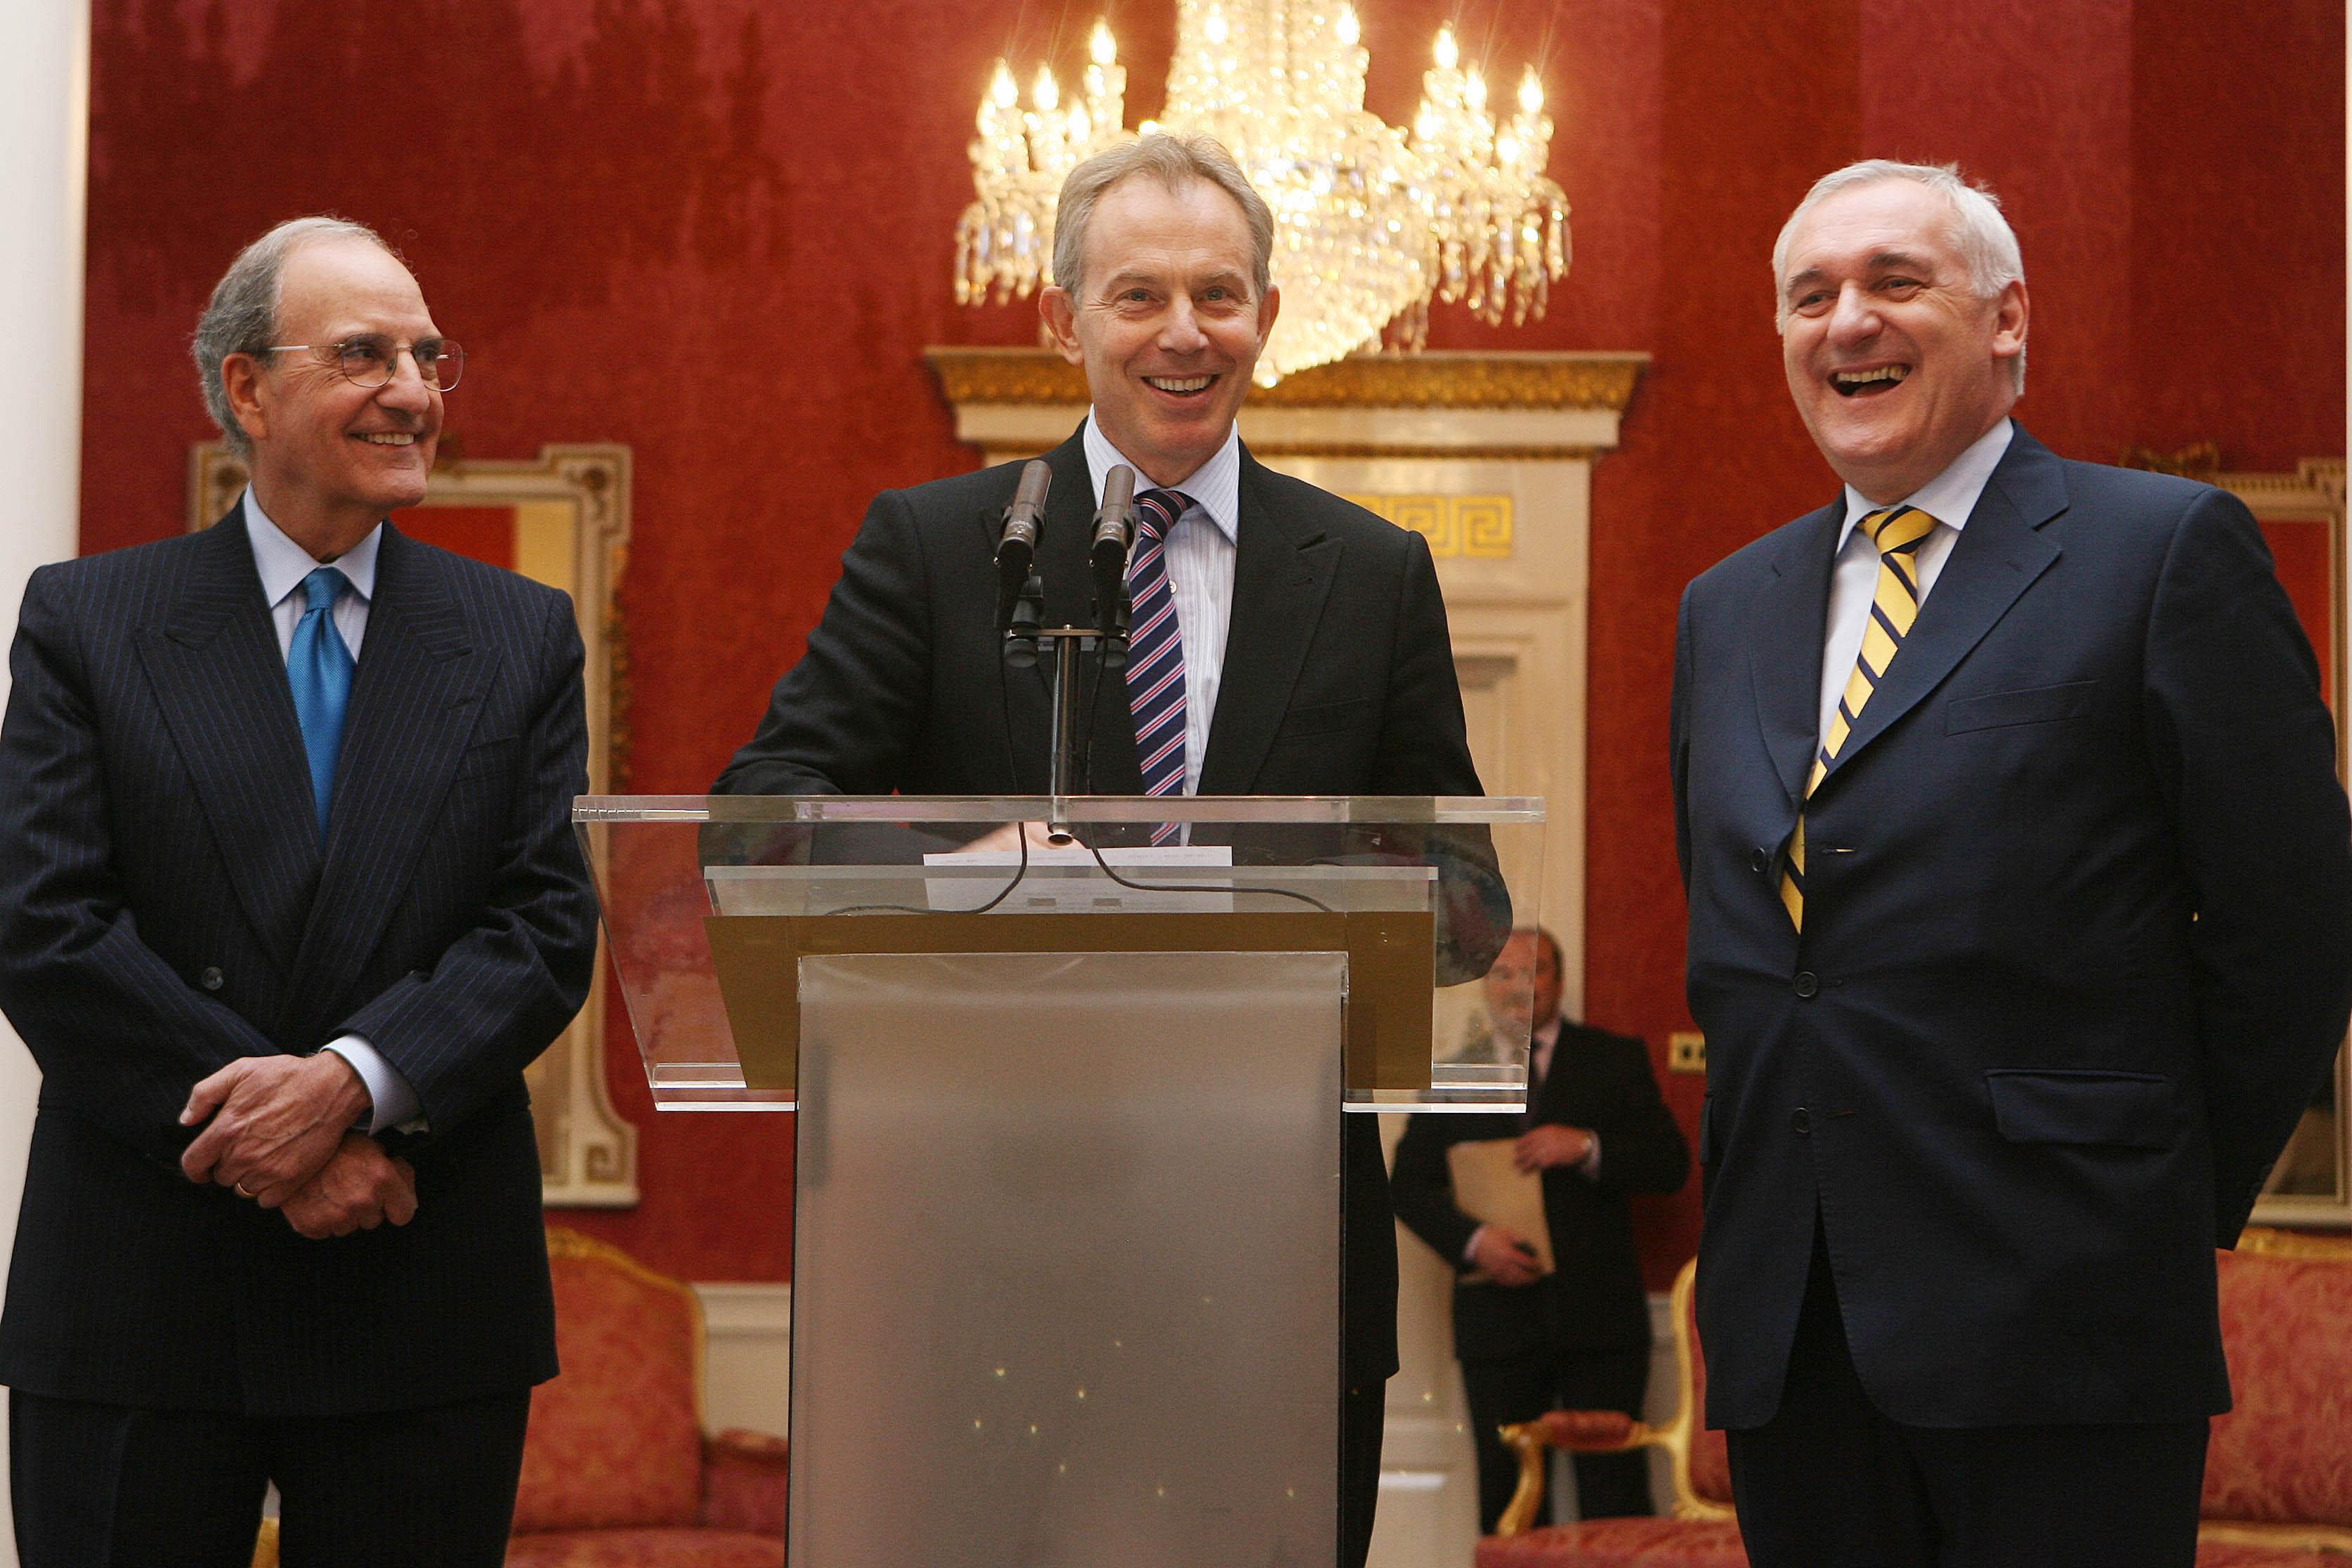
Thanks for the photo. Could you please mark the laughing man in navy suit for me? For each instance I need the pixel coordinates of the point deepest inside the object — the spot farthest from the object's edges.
(288, 899)
(2020, 929)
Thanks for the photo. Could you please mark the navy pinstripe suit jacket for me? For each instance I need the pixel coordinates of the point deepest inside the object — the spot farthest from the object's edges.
(167, 906)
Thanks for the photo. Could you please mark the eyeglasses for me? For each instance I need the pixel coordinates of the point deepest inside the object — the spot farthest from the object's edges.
(370, 361)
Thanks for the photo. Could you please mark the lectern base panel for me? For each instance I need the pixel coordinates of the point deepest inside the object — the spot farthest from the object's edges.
(1075, 1304)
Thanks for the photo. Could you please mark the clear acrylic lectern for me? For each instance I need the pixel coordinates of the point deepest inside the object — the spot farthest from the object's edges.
(1066, 1233)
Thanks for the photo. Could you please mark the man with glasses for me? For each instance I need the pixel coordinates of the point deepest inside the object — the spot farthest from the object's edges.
(289, 898)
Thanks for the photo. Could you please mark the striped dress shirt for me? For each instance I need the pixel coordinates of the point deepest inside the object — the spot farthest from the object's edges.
(1200, 552)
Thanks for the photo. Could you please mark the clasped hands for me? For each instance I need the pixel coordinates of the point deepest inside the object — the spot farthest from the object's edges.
(1499, 1251)
(280, 1133)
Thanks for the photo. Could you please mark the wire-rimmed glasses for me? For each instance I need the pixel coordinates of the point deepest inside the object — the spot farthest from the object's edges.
(370, 360)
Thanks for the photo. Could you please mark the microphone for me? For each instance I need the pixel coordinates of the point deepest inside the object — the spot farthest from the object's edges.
(1114, 532)
(1025, 518)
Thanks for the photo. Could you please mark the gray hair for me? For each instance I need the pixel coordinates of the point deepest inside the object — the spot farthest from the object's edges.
(1172, 160)
(242, 318)
(1979, 232)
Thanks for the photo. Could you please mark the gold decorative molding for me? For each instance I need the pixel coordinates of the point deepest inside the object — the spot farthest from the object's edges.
(572, 506)
(1475, 526)
(2270, 1242)
(1434, 380)
(2198, 461)
(2315, 491)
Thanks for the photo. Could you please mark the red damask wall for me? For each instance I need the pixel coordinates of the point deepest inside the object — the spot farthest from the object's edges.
(721, 231)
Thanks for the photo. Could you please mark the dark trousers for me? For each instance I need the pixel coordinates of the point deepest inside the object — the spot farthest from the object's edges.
(1362, 1416)
(1829, 1483)
(1521, 1388)
(106, 1486)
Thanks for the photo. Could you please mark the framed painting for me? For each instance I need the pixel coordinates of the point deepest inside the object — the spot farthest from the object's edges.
(561, 518)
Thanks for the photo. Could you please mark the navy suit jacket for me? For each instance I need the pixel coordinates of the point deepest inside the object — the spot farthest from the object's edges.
(167, 905)
(1594, 1301)
(2077, 947)
(1339, 679)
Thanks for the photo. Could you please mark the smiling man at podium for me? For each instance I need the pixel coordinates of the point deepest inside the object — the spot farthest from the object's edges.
(1284, 641)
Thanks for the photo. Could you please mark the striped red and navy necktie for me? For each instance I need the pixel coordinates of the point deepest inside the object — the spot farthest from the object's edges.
(1155, 652)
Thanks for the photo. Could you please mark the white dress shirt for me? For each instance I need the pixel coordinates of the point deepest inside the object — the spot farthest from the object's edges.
(1200, 552)
(283, 565)
(1948, 497)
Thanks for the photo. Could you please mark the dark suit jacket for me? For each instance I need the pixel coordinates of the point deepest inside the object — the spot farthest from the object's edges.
(2077, 945)
(166, 906)
(1339, 679)
(1595, 1300)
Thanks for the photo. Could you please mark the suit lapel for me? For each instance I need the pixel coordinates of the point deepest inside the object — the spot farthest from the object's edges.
(1283, 570)
(1785, 663)
(220, 683)
(415, 697)
(1997, 557)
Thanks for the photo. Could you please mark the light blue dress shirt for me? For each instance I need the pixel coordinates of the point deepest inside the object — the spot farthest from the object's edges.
(283, 564)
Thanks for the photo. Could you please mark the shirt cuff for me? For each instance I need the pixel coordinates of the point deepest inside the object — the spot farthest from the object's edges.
(1470, 1247)
(394, 1102)
(1589, 1166)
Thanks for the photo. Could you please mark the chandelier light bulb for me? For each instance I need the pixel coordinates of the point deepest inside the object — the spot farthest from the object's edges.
(1374, 222)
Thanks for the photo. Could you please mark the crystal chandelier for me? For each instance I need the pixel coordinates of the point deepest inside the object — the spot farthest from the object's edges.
(1371, 222)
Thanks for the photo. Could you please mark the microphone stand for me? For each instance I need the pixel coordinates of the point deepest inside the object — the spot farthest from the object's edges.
(1023, 612)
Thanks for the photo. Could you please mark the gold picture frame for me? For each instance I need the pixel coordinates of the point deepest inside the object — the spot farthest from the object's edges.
(570, 529)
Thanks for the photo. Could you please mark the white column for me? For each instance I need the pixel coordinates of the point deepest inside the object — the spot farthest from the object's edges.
(44, 156)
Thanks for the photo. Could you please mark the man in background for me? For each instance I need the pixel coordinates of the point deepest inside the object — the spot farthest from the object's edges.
(2020, 929)
(1576, 1338)
(288, 899)
(1287, 642)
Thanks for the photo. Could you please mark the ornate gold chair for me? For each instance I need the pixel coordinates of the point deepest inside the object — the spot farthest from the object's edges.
(2278, 1476)
(617, 1469)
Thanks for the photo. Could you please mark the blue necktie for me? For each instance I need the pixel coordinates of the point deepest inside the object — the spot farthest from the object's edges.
(1155, 652)
(319, 667)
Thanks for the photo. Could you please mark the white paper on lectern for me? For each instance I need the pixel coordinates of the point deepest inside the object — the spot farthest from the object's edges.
(1068, 879)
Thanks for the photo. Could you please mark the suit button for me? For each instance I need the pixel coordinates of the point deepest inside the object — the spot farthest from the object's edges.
(1801, 1121)
(1807, 983)
(211, 979)
(1761, 861)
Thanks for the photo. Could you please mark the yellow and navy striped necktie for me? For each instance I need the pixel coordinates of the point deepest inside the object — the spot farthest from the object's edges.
(1898, 531)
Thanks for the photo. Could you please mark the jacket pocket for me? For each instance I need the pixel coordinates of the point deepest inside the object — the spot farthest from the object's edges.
(2027, 705)
(2129, 1110)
